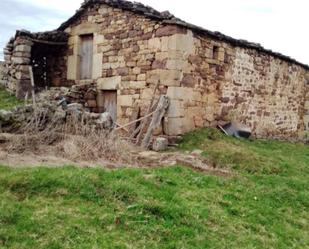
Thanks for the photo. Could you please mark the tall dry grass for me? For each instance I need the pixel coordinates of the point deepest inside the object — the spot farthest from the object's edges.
(75, 138)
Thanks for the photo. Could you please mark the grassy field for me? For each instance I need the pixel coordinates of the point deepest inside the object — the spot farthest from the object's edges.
(8, 100)
(263, 204)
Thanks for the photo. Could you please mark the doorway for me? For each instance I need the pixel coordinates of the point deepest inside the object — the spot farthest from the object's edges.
(107, 102)
(86, 57)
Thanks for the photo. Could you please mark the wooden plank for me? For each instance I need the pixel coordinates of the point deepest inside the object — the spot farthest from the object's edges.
(134, 116)
(135, 121)
(49, 42)
(86, 57)
(145, 121)
(156, 120)
(32, 86)
(110, 103)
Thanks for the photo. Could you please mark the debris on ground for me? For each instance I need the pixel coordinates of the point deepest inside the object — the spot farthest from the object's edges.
(155, 159)
(54, 127)
(236, 129)
(160, 144)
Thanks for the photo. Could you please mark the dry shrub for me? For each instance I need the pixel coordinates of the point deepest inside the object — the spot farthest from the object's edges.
(77, 138)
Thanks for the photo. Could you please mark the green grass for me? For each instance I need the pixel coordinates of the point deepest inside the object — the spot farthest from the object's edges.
(264, 204)
(7, 100)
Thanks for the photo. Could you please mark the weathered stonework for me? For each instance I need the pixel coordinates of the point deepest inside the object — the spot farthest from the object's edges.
(47, 61)
(3, 75)
(210, 78)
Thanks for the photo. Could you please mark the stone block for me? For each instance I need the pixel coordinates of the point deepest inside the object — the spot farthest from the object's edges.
(178, 126)
(123, 71)
(21, 60)
(176, 109)
(173, 126)
(147, 93)
(157, 64)
(72, 68)
(136, 70)
(133, 84)
(164, 77)
(171, 55)
(176, 64)
(98, 39)
(170, 30)
(104, 48)
(160, 144)
(73, 40)
(97, 65)
(141, 77)
(125, 100)
(22, 54)
(189, 81)
(92, 103)
(111, 83)
(154, 44)
(181, 42)
(23, 48)
(196, 114)
(221, 54)
(22, 76)
(183, 93)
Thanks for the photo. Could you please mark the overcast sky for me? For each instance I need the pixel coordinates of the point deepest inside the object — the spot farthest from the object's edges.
(280, 25)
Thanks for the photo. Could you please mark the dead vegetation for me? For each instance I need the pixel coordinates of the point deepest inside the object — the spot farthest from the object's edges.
(48, 134)
(75, 139)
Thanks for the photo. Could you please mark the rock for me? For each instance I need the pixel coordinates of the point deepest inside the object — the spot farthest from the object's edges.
(75, 110)
(160, 144)
(148, 156)
(196, 152)
(5, 116)
(60, 114)
(3, 155)
(75, 107)
(105, 120)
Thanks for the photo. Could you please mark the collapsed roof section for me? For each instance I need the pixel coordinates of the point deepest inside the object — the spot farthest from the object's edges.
(56, 37)
(167, 18)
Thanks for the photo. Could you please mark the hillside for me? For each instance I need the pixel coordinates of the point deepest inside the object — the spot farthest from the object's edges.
(264, 203)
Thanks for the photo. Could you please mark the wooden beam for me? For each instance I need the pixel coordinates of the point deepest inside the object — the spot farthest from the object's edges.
(49, 42)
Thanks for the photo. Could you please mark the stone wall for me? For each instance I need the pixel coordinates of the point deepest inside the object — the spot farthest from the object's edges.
(131, 55)
(306, 111)
(85, 95)
(45, 52)
(17, 55)
(3, 75)
(267, 94)
(208, 81)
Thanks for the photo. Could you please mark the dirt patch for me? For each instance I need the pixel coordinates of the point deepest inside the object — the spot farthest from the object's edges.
(68, 153)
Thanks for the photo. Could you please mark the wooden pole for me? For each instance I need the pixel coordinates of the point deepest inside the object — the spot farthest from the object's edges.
(135, 121)
(143, 124)
(32, 86)
(156, 120)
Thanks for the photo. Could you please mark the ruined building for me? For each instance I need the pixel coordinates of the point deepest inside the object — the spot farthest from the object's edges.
(120, 51)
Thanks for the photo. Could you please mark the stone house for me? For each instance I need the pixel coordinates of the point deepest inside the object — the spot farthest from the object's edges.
(117, 52)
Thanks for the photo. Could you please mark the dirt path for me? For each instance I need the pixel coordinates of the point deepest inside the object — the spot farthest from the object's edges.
(145, 159)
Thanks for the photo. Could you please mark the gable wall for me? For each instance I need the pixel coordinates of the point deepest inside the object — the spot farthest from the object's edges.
(132, 54)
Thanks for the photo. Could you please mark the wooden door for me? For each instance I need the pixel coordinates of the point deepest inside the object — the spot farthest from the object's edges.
(86, 55)
(107, 102)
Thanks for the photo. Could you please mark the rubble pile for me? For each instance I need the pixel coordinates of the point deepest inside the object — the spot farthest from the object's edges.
(3, 75)
(53, 108)
(85, 95)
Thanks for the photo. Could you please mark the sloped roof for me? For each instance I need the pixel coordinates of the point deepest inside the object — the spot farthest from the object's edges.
(167, 18)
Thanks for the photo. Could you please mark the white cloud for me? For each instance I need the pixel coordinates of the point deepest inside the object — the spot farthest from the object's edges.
(280, 25)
